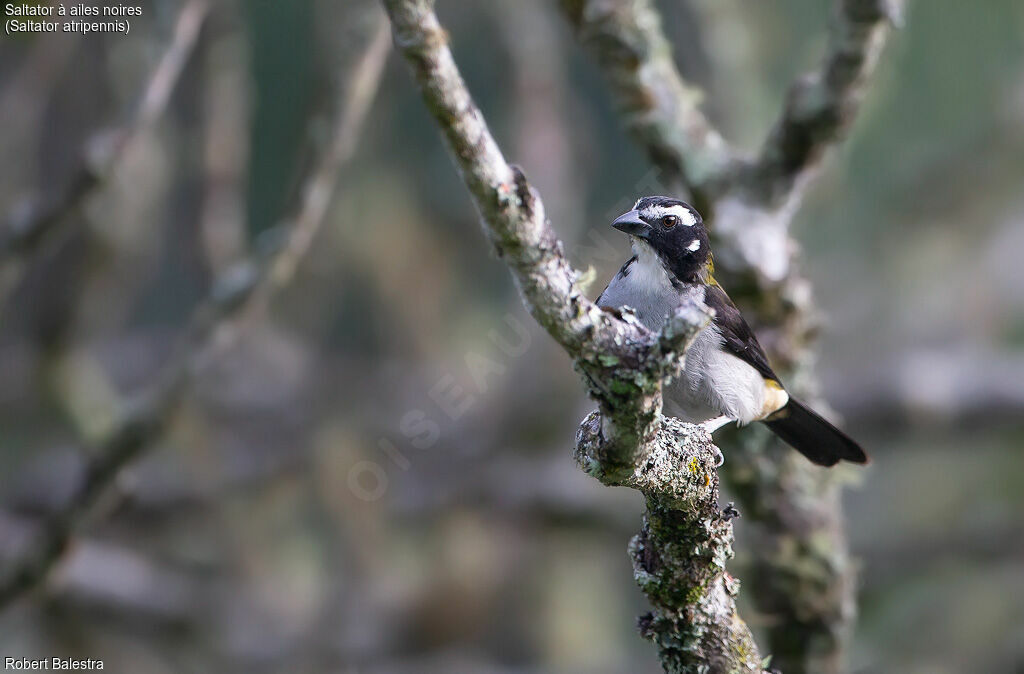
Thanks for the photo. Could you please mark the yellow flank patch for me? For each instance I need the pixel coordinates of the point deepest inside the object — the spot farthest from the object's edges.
(709, 272)
(775, 398)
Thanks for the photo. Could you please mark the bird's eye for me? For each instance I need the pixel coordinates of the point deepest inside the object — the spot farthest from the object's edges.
(670, 221)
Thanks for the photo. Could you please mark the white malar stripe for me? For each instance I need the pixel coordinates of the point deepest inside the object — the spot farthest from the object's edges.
(694, 246)
(657, 212)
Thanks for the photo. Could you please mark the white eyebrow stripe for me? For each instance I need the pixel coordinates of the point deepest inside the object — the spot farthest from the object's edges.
(684, 215)
(694, 245)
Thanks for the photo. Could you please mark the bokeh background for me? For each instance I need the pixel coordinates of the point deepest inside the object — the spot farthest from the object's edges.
(321, 504)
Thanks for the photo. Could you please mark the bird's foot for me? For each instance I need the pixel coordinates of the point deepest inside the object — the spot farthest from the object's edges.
(712, 425)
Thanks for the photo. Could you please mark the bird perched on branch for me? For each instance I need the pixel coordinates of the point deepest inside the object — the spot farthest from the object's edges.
(726, 376)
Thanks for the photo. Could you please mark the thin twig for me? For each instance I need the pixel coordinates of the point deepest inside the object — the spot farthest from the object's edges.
(235, 294)
(30, 227)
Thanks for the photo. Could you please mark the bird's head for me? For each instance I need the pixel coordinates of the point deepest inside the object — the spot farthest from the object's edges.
(673, 230)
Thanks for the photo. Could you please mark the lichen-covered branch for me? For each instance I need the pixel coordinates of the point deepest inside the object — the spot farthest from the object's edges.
(680, 554)
(803, 577)
(32, 225)
(512, 213)
(235, 295)
(658, 107)
(822, 104)
(622, 362)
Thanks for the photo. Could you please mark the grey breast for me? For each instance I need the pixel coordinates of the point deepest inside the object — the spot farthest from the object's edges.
(692, 396)
(652, 302)
(689, 397)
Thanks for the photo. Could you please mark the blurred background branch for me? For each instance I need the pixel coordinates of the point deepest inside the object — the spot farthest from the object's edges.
(804, 580)
(659, 108)
(822, 104)
(803, 576)
(35, 222)
(374, 477)
(240, 291)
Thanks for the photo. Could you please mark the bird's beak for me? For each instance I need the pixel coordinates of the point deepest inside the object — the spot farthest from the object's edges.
(630, 223)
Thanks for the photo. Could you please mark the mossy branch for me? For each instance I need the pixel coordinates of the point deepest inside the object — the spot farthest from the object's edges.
(679, 556)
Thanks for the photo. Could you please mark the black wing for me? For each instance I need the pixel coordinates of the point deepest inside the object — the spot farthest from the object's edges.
(737, 337)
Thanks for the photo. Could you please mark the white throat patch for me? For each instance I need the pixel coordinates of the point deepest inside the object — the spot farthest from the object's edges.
(694, 246)
(649, 272)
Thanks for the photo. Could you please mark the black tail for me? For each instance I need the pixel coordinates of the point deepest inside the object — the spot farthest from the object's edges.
(808, 433)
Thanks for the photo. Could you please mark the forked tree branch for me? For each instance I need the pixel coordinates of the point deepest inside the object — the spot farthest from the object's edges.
(679, 557)
(235, 296)
(822, 104)
(34, 224)
(659, 108)
(803, 576)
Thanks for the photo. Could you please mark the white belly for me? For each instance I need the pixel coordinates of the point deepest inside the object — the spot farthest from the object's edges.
(716, 383)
